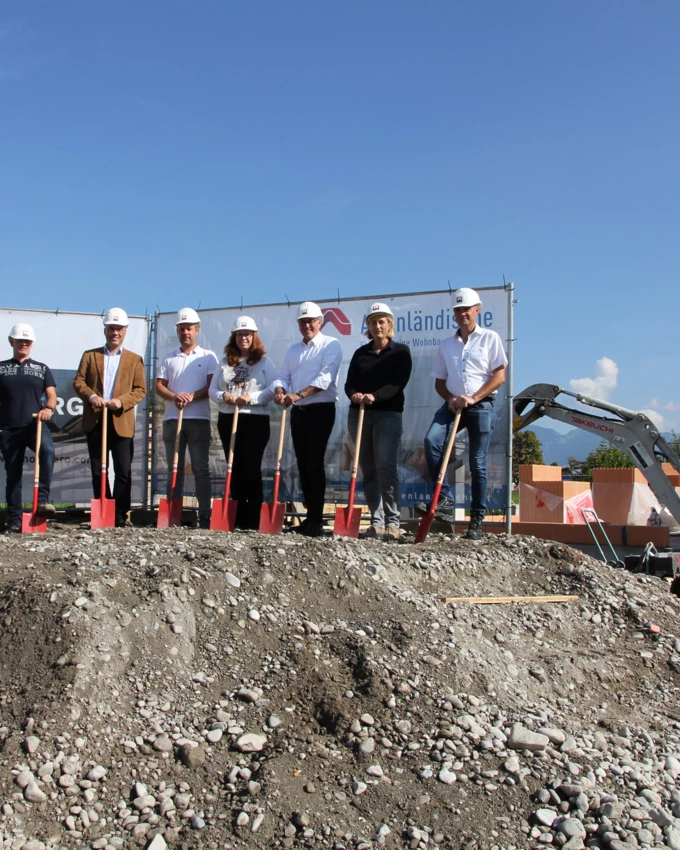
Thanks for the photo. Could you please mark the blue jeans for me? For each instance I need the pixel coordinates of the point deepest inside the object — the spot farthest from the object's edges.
(479, 421)
(378, 460)
(13, 444)
(195, 433)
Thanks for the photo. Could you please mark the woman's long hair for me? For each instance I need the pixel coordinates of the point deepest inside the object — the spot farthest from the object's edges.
(233, 353)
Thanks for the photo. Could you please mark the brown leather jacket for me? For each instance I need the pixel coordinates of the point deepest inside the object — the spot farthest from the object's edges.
(130, 388)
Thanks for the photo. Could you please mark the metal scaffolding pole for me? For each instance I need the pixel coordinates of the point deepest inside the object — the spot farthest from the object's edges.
(510, 289)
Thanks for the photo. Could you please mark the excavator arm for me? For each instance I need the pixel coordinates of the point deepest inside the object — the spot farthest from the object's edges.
(633, 433)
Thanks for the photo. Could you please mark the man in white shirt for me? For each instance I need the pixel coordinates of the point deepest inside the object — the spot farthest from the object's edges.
(468, 369)
(183, 380)
(308, 381)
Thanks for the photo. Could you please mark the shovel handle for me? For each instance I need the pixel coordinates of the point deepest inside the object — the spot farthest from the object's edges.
(449, 448)
(445, 463)
(427, 520)
(355, 458)
(230, 460)
(279, 455)
(105, 453)
(175, 457)
(36, 475)
(232, 440)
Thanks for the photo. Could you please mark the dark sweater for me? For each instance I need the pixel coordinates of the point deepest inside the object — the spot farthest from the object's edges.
(384, 374)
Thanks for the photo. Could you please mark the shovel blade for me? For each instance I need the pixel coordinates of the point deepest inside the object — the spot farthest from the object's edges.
(169, 513)
(271, 517)
(102, 513)
(424, 527)
(221, 520)
(32, 523)
(347, 522)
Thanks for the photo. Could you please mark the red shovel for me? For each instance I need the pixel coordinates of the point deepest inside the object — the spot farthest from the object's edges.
(223, 515)
(347, 519)
(271, 513)
(170, 510)
(103, 510)
(31, 523)
(426, 521)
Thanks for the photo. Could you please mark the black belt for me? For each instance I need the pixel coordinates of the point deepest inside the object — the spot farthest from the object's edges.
(314, 404)
(490, 398)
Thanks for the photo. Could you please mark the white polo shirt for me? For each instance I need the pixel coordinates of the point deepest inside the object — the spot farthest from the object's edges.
(188, 373)
(466, 366)
(312, 364)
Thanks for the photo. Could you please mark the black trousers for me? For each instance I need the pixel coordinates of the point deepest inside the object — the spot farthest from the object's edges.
(252, 436)
(310, 428)
(121, 449)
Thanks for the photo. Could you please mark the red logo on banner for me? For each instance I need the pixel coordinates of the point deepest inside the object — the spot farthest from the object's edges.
(335, 316)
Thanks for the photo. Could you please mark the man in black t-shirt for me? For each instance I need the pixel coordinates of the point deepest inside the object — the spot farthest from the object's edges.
(27, 393)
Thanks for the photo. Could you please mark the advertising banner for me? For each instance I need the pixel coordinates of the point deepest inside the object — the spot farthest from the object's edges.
(423, 321)
(60, 339)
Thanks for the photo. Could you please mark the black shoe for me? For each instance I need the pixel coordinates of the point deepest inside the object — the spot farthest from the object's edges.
(297, 529)
(12, 529)
(313, 529)
(474, 531)
(46, 509)
(444, 509)
(123, 523)
(421, 508)
(204, 521)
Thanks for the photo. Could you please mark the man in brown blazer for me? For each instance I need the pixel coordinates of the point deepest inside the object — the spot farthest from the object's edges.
(111, 381)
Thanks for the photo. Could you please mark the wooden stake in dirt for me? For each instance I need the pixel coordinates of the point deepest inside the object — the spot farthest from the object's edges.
(503, 600)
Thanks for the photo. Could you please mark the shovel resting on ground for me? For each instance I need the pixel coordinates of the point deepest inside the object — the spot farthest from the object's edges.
(170, 510)
(103, 510)
(223, 515)
(31, 523)
(426, 521)
(271, 513)
(347, 520)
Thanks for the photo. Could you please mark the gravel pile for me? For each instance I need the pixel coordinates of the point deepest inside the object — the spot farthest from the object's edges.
(189, 689)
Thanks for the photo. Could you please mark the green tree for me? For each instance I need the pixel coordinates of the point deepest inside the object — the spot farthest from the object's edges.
(674, 442)
(605, 456)
(574, 469)
(526, 448)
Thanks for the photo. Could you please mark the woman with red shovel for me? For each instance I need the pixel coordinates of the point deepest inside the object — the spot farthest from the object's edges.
(377, 375)
(242, 381)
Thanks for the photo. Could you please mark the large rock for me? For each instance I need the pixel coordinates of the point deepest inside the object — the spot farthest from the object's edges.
(524, 739)
(251, 742)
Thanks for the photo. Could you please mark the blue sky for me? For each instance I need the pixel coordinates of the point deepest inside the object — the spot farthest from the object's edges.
(162, 154)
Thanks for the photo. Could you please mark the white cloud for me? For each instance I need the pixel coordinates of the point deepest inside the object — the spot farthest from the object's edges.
(657, 418)
(601, 386)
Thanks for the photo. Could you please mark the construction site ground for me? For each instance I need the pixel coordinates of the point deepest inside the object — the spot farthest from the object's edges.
(190, 689)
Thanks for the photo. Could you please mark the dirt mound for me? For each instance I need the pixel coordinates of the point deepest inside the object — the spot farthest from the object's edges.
(200, 689)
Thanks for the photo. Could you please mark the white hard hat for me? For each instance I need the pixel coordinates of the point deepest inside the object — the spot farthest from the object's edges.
(187, 316)
(22, 331)
(378, 308)
(309, 310)
(243, 323)
(116, 316)
(466, 297)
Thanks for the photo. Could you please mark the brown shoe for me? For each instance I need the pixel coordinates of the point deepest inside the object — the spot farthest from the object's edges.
(373, 533)
(392, 532)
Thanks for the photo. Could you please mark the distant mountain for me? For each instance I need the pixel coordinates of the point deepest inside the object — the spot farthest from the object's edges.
(558, 448)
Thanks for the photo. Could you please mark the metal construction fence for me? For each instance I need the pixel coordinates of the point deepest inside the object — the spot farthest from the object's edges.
(423, 321)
